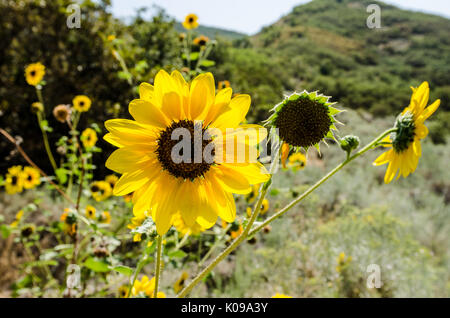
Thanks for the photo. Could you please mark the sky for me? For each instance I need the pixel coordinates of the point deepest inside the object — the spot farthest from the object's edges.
(249, 16)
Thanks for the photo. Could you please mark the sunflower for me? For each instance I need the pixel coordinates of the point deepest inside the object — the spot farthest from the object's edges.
(264, 208)
(405, 142)
(100, 190)
(145, 287)
(90, 212)
(62, 113)
(16, 221)
(105, 217)
(223, 84)
(69, 220)
(31, 177)
(184, 229)
(123, 291)
(88, 138)
(14, 180)
(34, 73)
(297, 161)
(179, 284)
(27, 230)
(37, 107)
(201, 40)
(190, 22)
(112, 179)
(304, 120)
(167, 177)
(251, 197)
(278, 295)
(111, 37)
(81, 103)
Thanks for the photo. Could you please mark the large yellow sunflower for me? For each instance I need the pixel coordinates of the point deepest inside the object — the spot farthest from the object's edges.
(198, 180)
(34, 73)
(405, 142)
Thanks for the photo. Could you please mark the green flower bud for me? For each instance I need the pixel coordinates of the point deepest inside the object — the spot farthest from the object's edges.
(349, 143)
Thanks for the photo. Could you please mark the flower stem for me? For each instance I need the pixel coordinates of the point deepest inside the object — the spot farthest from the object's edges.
(44, 133)
(371, 145)
(158, 264)
(241, 237)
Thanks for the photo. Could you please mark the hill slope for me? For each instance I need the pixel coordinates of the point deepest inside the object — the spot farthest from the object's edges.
(326, 45)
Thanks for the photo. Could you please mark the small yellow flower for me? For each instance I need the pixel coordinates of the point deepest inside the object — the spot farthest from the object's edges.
(190, 22)
(179, 284)
(14, 180)
(37, 107)
(250, 198)
(27, 230)
(88, 138)
(184, 228)
(201, 40)
(61, 113)
(137, 237)
(112, 179)
(90, 212)
(223, 84)
(101, 190)
(406, 149)
(111, 37)
(264, 207)
(32, 177)
(105, 217)
(278, 295)
(182, 36)
(34, 73)
(19, 216)
(81, 103)
(297, 161)
(123, 291)
(145, 286)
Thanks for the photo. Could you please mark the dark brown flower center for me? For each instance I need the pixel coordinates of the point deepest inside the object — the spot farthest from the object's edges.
(191, 20)
(187, 160)
(14, 180)
(303, 122)
(33, 73)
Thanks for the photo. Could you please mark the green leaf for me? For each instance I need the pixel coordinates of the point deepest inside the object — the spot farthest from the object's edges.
(124, 270)
(177, 254)
(61, 175)
(194, 56)
(5, 230)
(96, 266)
(207, 63)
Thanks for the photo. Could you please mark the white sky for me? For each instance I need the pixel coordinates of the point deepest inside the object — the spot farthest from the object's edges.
(249, 16)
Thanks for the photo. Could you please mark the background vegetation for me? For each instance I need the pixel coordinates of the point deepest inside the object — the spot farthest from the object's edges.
(323, 45)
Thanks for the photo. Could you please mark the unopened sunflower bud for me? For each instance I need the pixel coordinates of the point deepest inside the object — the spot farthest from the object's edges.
(349, 143)
(37, 107)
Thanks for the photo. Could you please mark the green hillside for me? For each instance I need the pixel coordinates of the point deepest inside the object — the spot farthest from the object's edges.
(326, 45)
(213, 32)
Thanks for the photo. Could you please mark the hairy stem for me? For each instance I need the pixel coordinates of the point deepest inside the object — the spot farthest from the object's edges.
(158, 264)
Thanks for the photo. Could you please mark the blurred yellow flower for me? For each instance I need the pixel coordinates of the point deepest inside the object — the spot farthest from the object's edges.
(183, 228)
(34, 73)
(81, 103)
(201, 40)
(61, 113)
(14, 180)
(37, 107)
(88, 138)
(190, 22)
(111, 37)
(112, 179)
(31, 177)
(251, 197)
(19, 216)
(101, 190)
(123, 291)
(278, 295)
(223, 84)
(405, 142)
(264, 207)
(90, 212)
(144, 158)
(105, 217)
(144, 286)
(179, 284)
(297, 161)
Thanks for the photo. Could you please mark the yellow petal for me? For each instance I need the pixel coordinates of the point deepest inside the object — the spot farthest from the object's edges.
(384, 158)
(255, 173)
(131, 181)
(202, 95)
(428, 111)
(146, 91)
(232, 182)
(238, 109)
(421, 131)
(131, 158)
(124, 132)
(147, 113)
(228, 212)
(221, 105)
